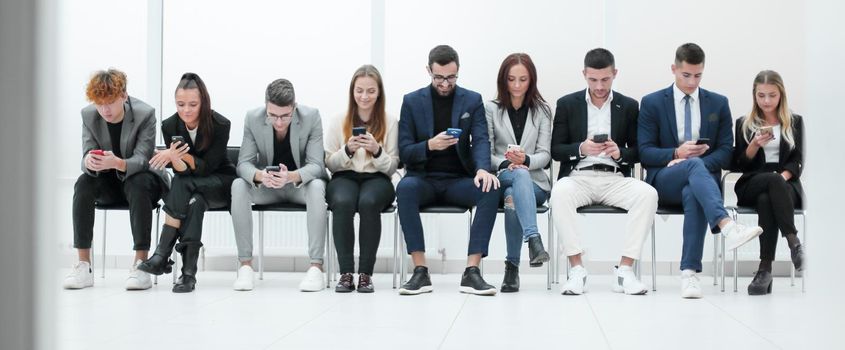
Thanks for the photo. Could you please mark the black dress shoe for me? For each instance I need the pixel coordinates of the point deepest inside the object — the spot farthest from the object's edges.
(797, 255)
(345, 284)
(511, 282)
(473, 283)
(420, 282)
(761, 284)
(536, 252)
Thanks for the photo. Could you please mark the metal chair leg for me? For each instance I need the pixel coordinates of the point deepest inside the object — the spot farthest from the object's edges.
(715, 258)
(261, 245)
(804, 272)
(550, 240)
(395, 246)
(329, 250)
(404, 259)
(103, 268)
(157, 228)
(653, 260)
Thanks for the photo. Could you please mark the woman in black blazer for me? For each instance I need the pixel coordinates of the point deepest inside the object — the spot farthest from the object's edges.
(769, 151)
(196, 139)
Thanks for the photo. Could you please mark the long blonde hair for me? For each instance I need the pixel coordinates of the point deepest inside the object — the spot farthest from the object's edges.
(378, 121)
(756, 119)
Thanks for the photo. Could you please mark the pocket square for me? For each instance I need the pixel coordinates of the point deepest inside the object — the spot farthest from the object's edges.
(465, 115)
(713, 117)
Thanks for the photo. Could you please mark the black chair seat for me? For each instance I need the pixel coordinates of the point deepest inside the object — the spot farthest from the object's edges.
(443, 209)
(540, 210)
(283, 207)
(118, 206)
(750, 210)
(600, 209)
(670, 210)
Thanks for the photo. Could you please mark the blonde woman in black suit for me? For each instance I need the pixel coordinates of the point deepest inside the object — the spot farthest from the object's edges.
(769, 151)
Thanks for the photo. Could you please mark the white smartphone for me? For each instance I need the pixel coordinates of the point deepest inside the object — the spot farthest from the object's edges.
(512, 147)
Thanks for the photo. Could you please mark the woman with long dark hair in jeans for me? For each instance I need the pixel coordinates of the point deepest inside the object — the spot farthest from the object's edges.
(196, 139)
(362, 154)
(519, 124)
(769, 152)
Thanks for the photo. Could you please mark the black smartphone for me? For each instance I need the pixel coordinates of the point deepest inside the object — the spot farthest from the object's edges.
(600, 138)
(702, 141)
(359, 130)
(174, 139)
(272, 168)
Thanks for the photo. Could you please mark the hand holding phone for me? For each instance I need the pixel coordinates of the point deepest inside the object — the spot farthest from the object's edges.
(600, 138)
(359, 130)
(97, 152)
(702, 141)
(273, 168)
(177, 138)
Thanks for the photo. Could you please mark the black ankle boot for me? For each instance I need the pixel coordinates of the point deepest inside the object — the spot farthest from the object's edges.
(160, 262)
(511, 282)
(190, 252)
(797, 255)
(762, 283)
(536, 252)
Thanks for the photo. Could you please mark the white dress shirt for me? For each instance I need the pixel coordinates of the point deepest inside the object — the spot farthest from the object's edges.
(772, 149)
(598, 122)
(695, 109)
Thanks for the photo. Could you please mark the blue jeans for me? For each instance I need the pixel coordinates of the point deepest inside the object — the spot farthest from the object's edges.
(521, 216)
(690, 185)
(415, 192)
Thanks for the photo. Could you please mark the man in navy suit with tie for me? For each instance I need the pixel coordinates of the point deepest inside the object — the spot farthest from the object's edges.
(444, 145)
(685, 141)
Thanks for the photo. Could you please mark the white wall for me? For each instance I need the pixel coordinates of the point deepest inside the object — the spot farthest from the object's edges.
(239, 48)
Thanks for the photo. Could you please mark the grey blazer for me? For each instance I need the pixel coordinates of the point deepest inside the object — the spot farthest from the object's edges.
(306, 139)
(137, 137)
(536, 139)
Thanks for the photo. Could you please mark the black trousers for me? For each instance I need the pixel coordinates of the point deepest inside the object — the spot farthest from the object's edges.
(368, 194)
(140, 191)
(189, 198)
(775, 201)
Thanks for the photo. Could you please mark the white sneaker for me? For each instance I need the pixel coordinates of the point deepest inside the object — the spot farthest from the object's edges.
(736, 234)
(80, 277)
(313, 281)
(575, 284)
(245, 279)
(626, 282)
(690, 285)
(138, 280)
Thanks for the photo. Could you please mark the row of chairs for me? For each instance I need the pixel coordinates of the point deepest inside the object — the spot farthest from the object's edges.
(400, 258)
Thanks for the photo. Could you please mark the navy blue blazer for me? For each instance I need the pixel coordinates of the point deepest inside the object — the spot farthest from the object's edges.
(657, 131)
(416, 126)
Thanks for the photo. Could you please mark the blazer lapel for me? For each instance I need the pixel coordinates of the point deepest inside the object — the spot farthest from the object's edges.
(457, 104)
(265, 141)
(704, 106)
(505, 119)
(669, 105)
(529, 132)
(783, 149)
(617, 131)
(582, 117)
(428, 112)
(126, 129)
(103, 133)
(295, 127)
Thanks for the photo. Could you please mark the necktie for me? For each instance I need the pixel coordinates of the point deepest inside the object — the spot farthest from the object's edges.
(687, 119)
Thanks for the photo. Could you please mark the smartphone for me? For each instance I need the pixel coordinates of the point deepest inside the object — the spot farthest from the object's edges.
(512, 147)
(454, 132)
(174, 139)
(98, 152)
(359, 130)
(702, 141)
(765, 130)
(273, 168)
(600, 138)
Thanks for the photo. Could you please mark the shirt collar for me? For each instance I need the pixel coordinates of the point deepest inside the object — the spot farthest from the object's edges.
(590, 100)
(679, 95)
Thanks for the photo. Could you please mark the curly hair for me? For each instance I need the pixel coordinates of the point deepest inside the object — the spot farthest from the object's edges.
(106, 86)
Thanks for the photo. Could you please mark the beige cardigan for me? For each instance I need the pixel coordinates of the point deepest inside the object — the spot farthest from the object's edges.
(361, 161)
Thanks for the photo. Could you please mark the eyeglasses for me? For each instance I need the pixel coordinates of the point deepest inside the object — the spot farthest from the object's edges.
(272, 118)
(439, 79)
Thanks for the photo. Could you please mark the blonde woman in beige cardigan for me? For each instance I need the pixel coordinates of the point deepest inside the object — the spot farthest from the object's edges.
(361, 153)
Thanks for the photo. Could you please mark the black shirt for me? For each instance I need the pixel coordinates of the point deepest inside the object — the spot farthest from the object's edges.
(114, 134)
(445, 161)
(282, 151)
(518, 118)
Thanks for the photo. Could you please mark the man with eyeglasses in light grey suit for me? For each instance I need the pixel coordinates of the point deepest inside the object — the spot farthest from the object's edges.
(281, 160)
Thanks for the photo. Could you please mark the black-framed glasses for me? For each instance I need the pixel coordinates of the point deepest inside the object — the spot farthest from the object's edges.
(439, 79)
(271, 118)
